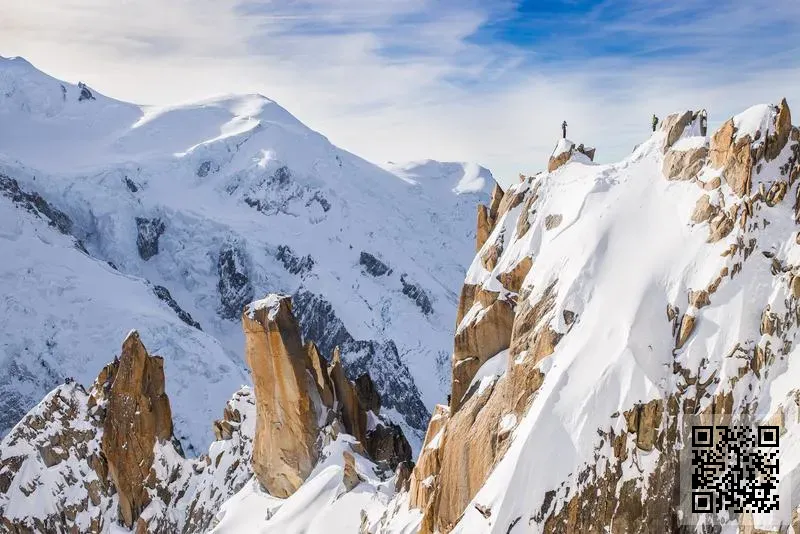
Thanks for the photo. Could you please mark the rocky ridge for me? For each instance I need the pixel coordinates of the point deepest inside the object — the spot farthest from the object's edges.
(527, 318)
(114, 447)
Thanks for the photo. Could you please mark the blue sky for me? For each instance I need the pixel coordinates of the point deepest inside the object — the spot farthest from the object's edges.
(413, 79)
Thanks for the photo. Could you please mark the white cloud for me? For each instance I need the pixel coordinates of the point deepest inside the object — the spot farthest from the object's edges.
(402, 80)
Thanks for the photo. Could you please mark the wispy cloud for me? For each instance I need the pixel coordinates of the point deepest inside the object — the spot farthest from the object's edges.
(409, 79)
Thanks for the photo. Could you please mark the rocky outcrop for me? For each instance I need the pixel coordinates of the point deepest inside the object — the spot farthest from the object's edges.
(565, 151)
(114, 446)
(297, 393)
(512, 279)
(234, 286)
(674, 126)
(148, 232)
(103, 443)
(287, 419)
(368, 396)
(783, 128)
(482, 333)
(386, 445)
(320, 324)
(684, 164)
(629, 482)
(137, 416)
(35, 204)
(737, 154)
(484, 227)
(373, 265)
(422, 483)
(417, 294)
(487, 216)
(733, 156)
(164, 295)
(319, 372)
(293, 263)
(354, 417)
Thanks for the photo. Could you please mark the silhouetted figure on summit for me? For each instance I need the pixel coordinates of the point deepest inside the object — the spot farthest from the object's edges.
(564, 129)
(655, 122)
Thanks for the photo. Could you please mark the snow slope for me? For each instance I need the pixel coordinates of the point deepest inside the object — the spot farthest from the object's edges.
(219, 203)
(625, 250)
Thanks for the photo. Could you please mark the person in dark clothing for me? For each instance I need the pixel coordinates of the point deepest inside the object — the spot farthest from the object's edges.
(655, 122)
(564, 129)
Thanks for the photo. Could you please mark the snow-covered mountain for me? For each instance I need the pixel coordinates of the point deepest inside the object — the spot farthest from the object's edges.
(169, 220)
(607, 310)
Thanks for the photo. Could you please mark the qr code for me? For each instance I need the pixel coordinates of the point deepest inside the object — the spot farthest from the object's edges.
(734, 468)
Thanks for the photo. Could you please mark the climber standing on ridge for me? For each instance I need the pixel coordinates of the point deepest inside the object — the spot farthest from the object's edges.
(564, 129)
(703, 122)
(655, 122)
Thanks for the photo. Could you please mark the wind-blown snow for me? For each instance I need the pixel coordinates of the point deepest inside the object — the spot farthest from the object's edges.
(563, 145)
(753, 119)
(690, 143)
(320, 506)
(271, 303)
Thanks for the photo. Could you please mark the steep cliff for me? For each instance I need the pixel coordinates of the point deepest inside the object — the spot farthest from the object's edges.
(607, 308)
(114, 448)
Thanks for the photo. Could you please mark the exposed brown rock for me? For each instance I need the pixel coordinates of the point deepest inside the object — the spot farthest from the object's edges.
(783, 128)
(703, 209)
(698, 299)
(512, 198)
(552, 221)
(318, 369)
(484, 227)
(491, 255)
(687, 326)
(530, 331)
(402, 476)
(494, 205)
(487, 216)
(471, 443)
(733, 156)
(769, 321)
(684, 164)
(421, 485)
(712, 184)
(560, 159)
(775, 193)
(523, 223)
(644, 420)
(674, 125)
(478, 341)
(137, 414)
(387, 445)
(512, 280)
(720, 226)
(222, 430)
(350, 477)
(795, 286)
(284, 449)
(353, 416)
(466, 300)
